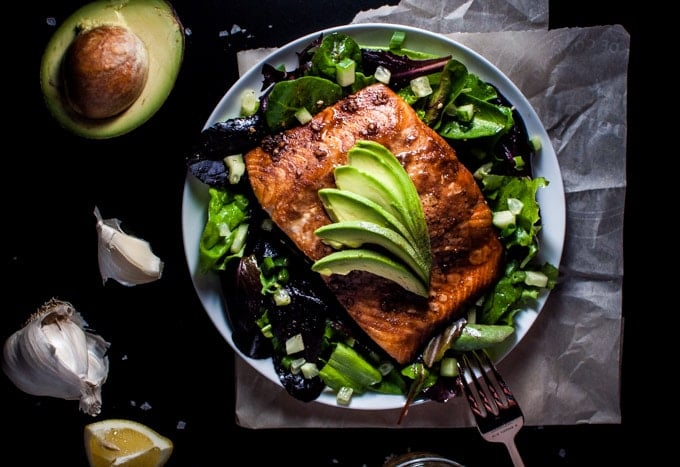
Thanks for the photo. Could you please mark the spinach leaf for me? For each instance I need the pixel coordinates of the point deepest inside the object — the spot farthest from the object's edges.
(288, 97)
(452, 80)
(458, 89)
(488, 120)
(334, 48)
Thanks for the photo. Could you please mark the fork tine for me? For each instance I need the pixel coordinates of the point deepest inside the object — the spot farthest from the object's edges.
(486, 386)
(472, 389)
(492, 403)
(501, 393)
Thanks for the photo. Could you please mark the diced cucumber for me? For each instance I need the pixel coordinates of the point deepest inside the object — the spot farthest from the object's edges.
(239, 238)
(303, 116)
(515, 205)
(309, 370)
(536, 279)
(344, 395)
(294, 344)
(503, 219)
(345, 72)
(465, 113)
(421, 86)
(382, 74)
(397, 40)
(448, 367)
(236, 166)
(249, 102)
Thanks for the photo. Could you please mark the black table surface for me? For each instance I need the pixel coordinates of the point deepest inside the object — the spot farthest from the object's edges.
(165, 350)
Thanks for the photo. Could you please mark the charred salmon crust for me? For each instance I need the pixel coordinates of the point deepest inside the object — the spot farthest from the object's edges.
(287, 170)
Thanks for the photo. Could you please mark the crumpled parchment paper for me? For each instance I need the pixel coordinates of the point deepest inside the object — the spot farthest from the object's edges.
(566, 370)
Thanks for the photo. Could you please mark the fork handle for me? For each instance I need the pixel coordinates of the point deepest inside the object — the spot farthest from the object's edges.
(514, 454)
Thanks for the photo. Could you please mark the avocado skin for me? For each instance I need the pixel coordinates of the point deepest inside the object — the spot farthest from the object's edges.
(157, 25)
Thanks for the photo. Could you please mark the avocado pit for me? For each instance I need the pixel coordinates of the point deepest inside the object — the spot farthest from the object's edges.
(111, 64)
(105, 70)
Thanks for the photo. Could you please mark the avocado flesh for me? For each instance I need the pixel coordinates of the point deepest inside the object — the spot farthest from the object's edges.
(156, 24)
(378, 161)
(343, 205)
(382, 208)
(354, 234)
(352, 179)
(344, 261)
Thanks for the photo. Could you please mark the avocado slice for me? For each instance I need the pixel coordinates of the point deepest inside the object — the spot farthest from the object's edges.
(344, 261)
(155, 23)
(343, 205)
(374, 158)
(352, 179)
(354, 234)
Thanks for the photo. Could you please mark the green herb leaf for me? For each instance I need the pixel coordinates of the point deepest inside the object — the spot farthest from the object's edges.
(288, 97)
(226, 211)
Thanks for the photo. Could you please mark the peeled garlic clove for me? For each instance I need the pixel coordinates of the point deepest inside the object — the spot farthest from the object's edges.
(123, 257)
(55, 355)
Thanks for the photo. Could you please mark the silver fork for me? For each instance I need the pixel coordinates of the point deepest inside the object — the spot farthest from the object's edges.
(496, 411)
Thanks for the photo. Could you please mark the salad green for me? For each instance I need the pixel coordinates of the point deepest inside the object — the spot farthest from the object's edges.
(490, 140)
(224, 234)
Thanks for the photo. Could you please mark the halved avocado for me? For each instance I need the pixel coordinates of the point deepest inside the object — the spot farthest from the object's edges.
(67, 77)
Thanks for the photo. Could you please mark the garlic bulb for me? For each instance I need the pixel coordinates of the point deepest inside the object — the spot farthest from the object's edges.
(124, 258)
(54, 355)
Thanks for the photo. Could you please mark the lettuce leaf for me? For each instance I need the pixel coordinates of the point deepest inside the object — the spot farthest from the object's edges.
(226, 212)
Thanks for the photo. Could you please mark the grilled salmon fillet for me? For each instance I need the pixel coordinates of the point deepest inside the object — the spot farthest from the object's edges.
(287, 170)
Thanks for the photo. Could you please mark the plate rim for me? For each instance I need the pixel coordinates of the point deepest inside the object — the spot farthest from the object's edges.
(195, 194)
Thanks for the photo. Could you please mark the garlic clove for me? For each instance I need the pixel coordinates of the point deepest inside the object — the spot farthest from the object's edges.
(55, 355)
(123, 257)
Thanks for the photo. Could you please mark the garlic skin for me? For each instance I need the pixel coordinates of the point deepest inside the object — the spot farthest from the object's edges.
(54, 355)
(123, 257)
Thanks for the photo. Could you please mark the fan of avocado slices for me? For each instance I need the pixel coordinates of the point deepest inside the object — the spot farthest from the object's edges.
(389, 215)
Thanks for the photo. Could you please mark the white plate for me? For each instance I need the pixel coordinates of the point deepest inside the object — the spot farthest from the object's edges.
(550, 198)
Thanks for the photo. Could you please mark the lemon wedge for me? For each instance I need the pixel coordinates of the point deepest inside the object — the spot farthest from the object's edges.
(125, 443)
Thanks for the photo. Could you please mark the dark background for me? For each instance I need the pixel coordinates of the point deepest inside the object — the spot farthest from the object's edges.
(165, 351)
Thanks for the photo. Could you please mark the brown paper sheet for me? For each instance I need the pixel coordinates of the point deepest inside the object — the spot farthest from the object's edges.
(566, 370)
